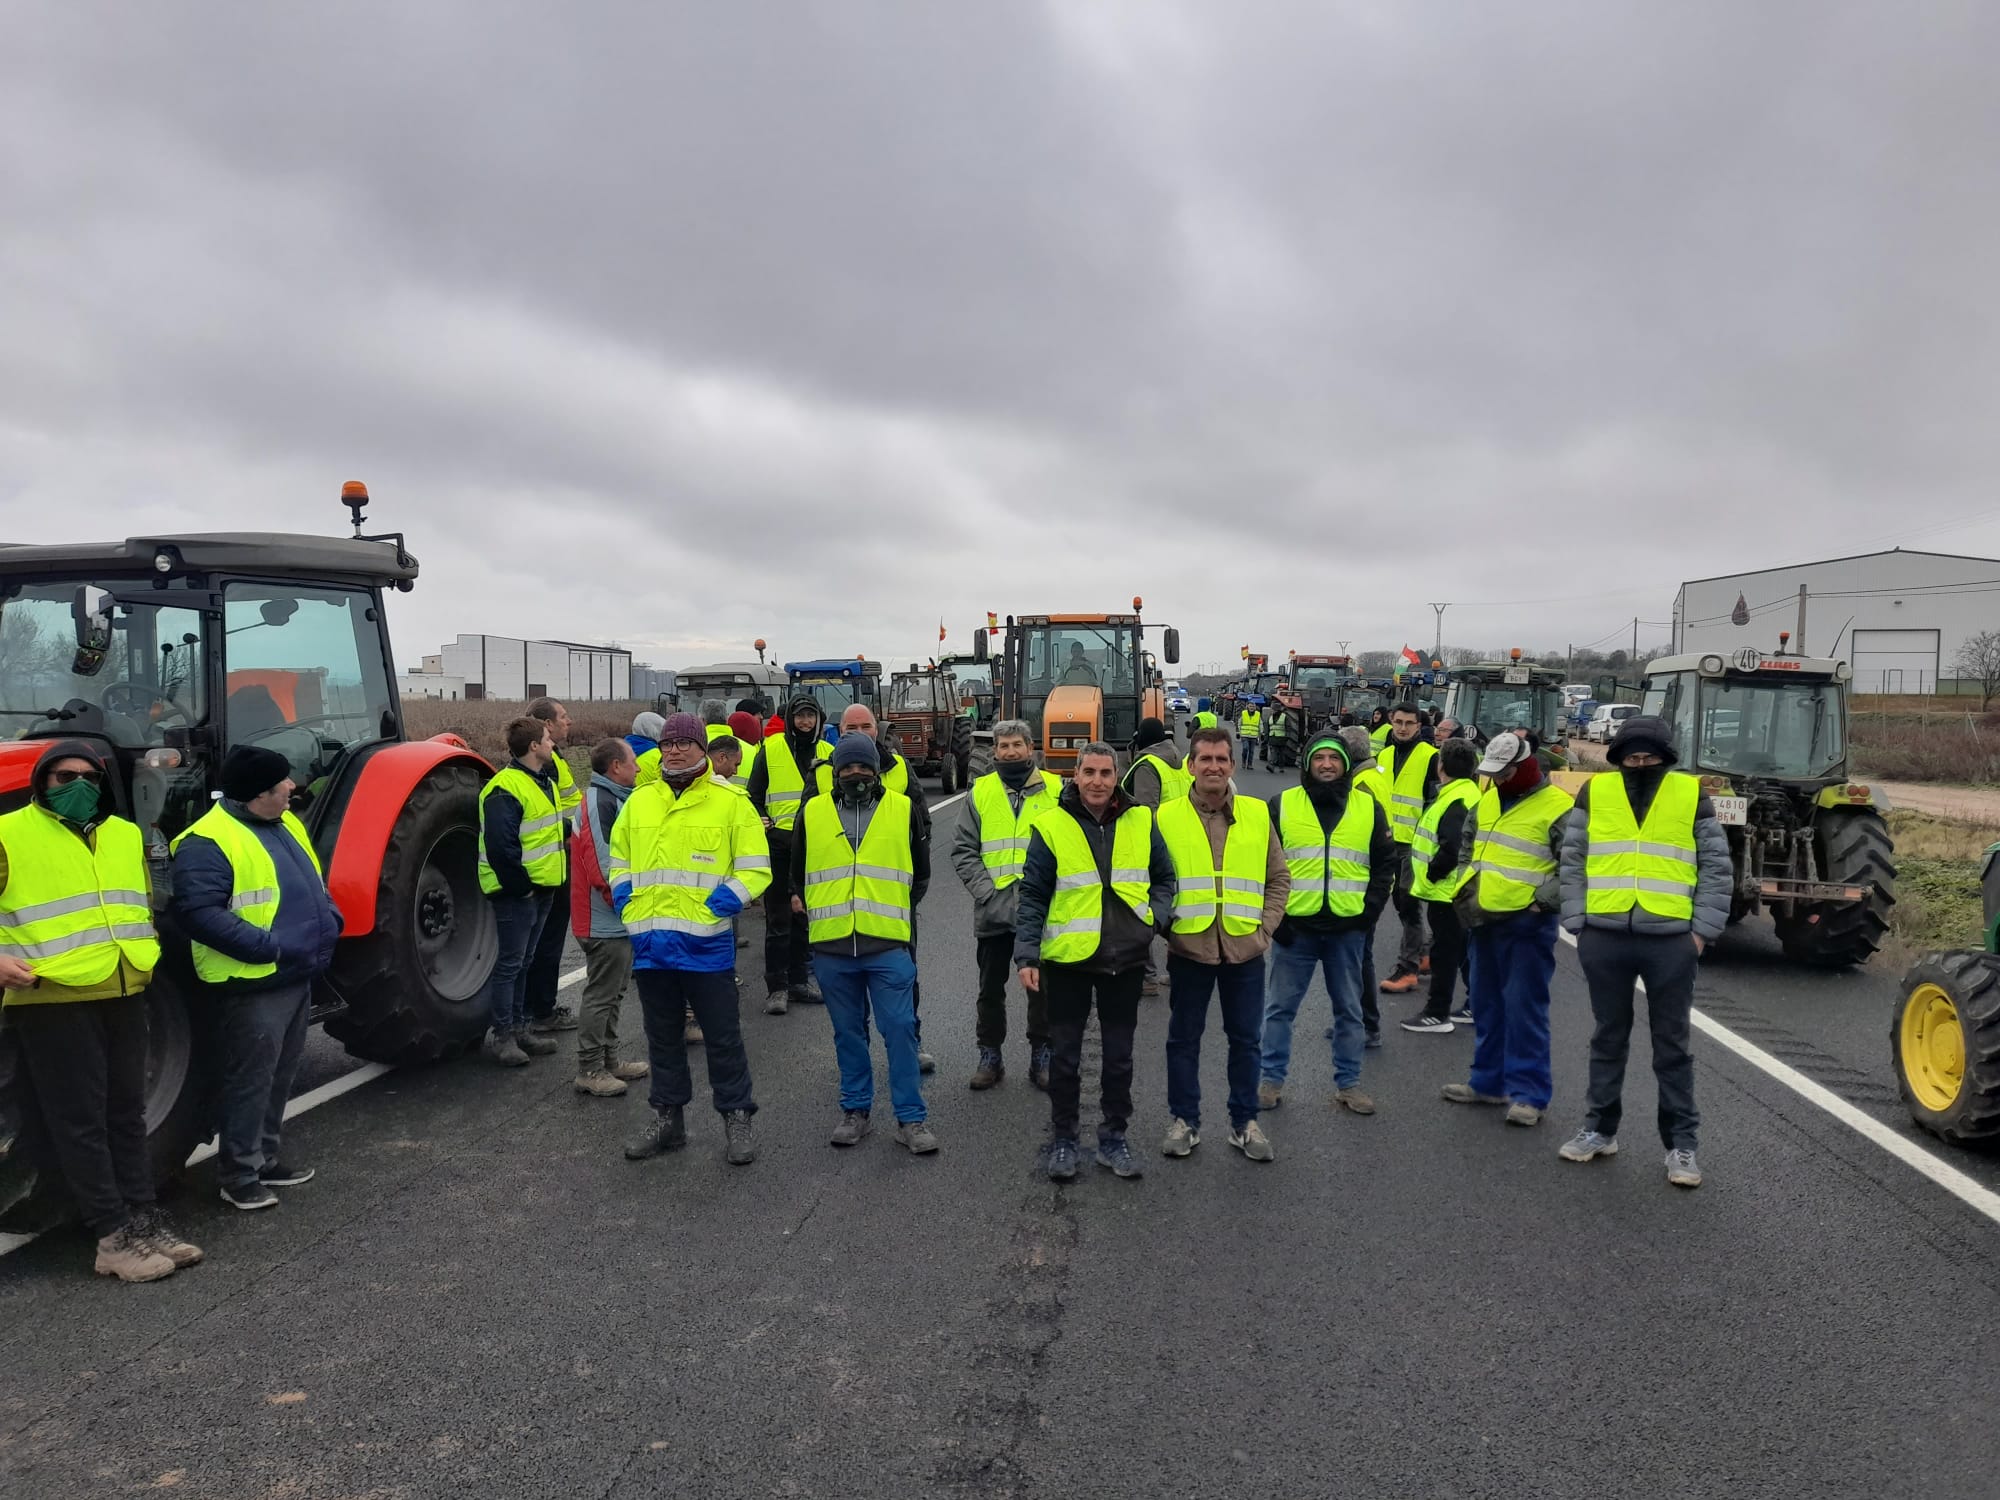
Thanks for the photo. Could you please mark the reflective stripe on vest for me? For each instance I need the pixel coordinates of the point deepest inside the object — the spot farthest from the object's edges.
(253, 892)
(541, 829)
(672, 851)
(1075, 922)
(1249, 724)
(1424, 846)
(569, 796)
(1175, 782)
(1003, 835)
(1329, 867)
(1406, 797)
(1511, 858)
(70, 908)
(1235, 893)
(784, 784)
(1650, 865)
(865, 890)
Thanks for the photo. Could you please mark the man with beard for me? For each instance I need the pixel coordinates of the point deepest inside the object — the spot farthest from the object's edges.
(1340, 847)
(777, 788)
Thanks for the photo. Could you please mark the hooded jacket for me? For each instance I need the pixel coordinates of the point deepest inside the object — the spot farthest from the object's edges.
(1715, 873)
(302, 933)
(1331, 806)
(994, 911)
(805, 754)
(1124, 941)
(1142, 782)
(591, 914)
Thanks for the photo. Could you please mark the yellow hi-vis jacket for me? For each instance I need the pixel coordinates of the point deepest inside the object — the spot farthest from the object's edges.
(1249, 724)
(1406, 788)
(253, 890)
(670, 857)
(1329, 867)
(1424, 847)
(1652, 864)
(1203, 894)
(72, 910)
(1511, 857)
(1003, 834)
(867, 890)
(1076, 907)
(785, 785)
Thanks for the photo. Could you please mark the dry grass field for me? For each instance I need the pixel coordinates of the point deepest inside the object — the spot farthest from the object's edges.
(482, 723)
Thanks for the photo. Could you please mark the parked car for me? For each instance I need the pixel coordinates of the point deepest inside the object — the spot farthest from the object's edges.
(1179, 703)
(1604, 723)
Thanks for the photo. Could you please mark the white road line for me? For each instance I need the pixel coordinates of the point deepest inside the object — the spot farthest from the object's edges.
(947, 802)
(312, 1099)
(1976, 1197)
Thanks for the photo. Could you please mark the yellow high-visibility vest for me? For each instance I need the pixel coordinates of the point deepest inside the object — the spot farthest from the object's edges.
(569, 796)
(1249, 724)
(1406, 788)
(785, 785)
(1175, 781)
(1003, 833)
(866, 890)
(253, 890)
(71, 909)
(1235, 893)
(673, 851)
(1329, 867)
(1424, 847)
(541, 829)
(1511, 857)
(1650, 865)
(1075, 922)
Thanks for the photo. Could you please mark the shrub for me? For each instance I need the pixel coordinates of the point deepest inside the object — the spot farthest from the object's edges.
(482, 722)
(1954, 750)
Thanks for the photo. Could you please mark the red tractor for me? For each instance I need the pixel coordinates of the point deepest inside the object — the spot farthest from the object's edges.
(167, 651)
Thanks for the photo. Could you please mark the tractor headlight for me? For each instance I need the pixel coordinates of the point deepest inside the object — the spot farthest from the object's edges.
(1711, 666)
(1842, 671)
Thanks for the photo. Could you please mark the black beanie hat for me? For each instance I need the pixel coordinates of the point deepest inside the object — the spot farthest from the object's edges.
(1642, 732)
(249, 771)
(1151, 732)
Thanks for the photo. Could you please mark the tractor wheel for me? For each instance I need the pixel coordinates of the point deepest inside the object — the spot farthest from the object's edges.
(961, 751)
(1944, 1039)
(1854, 849)
(415, 985)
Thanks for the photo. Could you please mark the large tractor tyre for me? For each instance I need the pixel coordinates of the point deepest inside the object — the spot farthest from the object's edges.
(1944, 1040)
(946, 766)
(1854, 849)
(178, 1112)
(961, 751)
(415, 986)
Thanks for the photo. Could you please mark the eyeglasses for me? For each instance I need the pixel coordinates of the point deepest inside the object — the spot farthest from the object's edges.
(64, 778)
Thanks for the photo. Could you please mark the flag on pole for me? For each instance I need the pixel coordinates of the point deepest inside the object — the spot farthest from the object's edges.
(941, 634)
(992, 623)
(1412, 657)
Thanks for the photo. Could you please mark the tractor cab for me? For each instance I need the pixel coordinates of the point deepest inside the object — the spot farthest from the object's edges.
(1493, 697)
(731, 683)
(1079, 678)
(836, 685)
(1754, 715)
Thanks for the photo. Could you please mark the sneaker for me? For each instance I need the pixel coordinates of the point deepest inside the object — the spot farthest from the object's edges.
(1400, 983)
(991, 1068)
(1038, 1065)
(1181, 1138)
(562, 1018)
(807, 994)
(1519, 1113)
(500, 1047)
(1431, 1025)
(1372, 1042)
(1681, 1169)
(691, 1034)
(284, 1174)
(1113, 1152)
(926, 1064)
(124, 1254)
(158, 1231)
(740, 1140)
(1252, 1142)
(534, 1044)
(777, 1002)
(1270, 1095)
(631, 1072)
(1352, 1099)
(917, 1135)
(1062, 1160)
(250, 1198)
(1465, 1093)
(666, 1131)
(1461, 1017)
(599, 1084)
(1586, 1145)
(853, 1125)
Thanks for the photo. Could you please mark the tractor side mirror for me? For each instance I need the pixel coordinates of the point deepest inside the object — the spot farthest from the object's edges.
(979, 645)
(1172, 646)
(90, 611)
(1604, 689)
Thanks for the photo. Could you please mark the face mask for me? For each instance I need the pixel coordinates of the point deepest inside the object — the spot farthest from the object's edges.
(1014, 773)
(680, 781)
(77, 801)
(855, 790)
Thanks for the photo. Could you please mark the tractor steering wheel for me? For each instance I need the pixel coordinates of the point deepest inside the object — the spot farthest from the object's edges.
(134, 698)
(1088, 677)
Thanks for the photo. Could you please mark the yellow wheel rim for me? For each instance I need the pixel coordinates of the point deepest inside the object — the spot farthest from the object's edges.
(1933, 1047)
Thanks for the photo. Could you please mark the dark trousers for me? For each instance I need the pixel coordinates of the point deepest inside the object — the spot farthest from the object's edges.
(1190, 985)
(545, 964)
(1448, 960)
(262, 1035)
(784, 936)
(1512, 963)
(1069, 993)
(996, 967)
(665, 996)
(520, 920)
(1410, 912)
(1612, 963)
(86, 1064)
(1371, 990)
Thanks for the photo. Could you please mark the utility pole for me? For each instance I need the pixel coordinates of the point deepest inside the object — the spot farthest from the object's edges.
(1437, 654)
(1799, 640)
(1569, 673)
(1635, 643)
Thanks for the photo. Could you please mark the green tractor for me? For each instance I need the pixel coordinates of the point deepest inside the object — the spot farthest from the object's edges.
(1944, 1038)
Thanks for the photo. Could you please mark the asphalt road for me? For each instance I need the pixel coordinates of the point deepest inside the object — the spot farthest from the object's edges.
(480, 1296)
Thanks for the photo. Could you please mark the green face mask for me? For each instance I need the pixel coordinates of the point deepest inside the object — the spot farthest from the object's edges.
(75, 801)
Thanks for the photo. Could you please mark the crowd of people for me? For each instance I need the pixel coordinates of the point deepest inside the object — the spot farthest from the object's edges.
(689, 822)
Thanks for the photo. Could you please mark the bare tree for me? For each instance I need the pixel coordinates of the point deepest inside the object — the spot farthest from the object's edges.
(1979, 659)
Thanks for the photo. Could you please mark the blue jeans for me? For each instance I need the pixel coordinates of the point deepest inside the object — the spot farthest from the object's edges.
(1189, 986)
(1512, 964)
(1338, 955)
(520, 919)
(262, 1034)
(884, 984)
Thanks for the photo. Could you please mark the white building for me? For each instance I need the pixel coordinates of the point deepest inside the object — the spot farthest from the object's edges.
(495, 666)
(430, 684)
(1899, 618)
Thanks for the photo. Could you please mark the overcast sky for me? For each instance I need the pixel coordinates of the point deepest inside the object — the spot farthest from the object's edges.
(685, 323)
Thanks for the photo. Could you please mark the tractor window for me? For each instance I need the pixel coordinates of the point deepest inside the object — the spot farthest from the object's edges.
(915, 695)
(1759, 728)
(72, 657)
(307, 674)
(1672, 697)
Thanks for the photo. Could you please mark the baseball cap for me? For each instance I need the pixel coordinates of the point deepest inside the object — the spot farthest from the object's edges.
(1503, 751)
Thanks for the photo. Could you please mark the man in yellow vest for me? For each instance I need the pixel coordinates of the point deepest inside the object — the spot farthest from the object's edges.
(778, 785)
(1341, 854)
(1368, 776)
(1646, 886)
(1231, 884)
(521, 867)
(860, 867)
(1509, 908)
(1409, 764)
(1158, 774)
(1095, 884)
(1250, 730)
(645, 742)
(545, 1016)
(687, 855)
(74, 972)
(249, 893)
(1440, 866)
(989, 849)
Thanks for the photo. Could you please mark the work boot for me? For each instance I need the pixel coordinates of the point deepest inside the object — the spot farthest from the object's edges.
(1115, 1153)
(691, 1033)
(807, 993)
(741, 1142)
(1062, 1159)
(535, 1045)
(1519, 1113)
(1038, 1065)
(917, 1136)
(1424, 964)
(500, 1047)
(991, 1068)
(1252, 1142)
(1270, 1095)
(631, 1072)
(599, 1084)
(153, 1226)
(126, 1255)
(854, 1124)
(777, 1002)
(1354, 1101)
(562, 1018)
(1399, 983)
(666, 1131)
(1465, 1093)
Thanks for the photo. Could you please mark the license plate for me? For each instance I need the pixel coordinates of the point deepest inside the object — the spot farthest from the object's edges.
(1515, 676)
(1733, 812)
